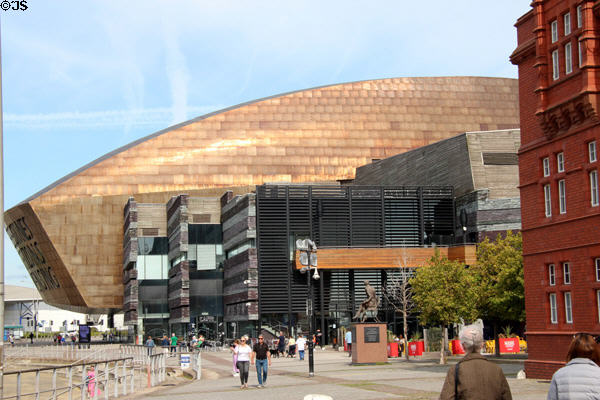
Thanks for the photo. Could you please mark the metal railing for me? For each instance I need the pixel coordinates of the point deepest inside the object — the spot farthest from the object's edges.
(109, 379)
(66, 353)
(132, 368)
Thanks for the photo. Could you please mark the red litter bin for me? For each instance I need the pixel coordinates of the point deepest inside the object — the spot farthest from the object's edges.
(457, 347)
(421, 346)
(415, 348)
(393, 349)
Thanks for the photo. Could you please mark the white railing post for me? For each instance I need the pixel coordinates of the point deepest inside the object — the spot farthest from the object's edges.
(106, 387)
(70, 369)
(19, 386)
(37, 385)
(54, 384)
(83, 381)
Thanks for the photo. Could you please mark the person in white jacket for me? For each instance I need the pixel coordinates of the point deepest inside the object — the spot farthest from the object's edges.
(580, 378)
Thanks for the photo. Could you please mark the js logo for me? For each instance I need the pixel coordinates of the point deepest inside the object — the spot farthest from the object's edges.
(20, 5)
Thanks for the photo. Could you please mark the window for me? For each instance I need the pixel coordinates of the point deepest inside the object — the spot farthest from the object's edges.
(592, 151)
(546, 165)
(551, 275)
(580, 51)
(597, 264)
(560, 162)
(553, 316)
(568, 59)
(594, 188)
(555, 73)
(562, 196)
(567, 19)
(567, 273)
(568, 308)
(547, 201)
(579, 16)
(554, 30)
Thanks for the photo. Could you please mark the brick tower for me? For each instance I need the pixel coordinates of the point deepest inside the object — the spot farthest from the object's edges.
(558, 56)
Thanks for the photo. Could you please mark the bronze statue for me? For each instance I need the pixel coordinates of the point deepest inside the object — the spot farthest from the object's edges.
(370, 304)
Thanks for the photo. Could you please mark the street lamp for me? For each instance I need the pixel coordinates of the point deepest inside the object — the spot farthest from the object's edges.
(308, 259)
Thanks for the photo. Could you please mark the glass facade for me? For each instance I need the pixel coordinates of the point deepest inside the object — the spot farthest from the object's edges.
(205, 248)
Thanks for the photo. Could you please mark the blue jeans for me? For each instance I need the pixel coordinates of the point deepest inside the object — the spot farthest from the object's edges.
(262, 367)
(301, 353)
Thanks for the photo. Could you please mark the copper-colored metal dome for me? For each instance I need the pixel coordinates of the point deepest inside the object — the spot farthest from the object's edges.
(313, 135)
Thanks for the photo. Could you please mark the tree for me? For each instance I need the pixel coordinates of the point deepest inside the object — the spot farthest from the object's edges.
(399, 294)
(499, 274)
(444, 292)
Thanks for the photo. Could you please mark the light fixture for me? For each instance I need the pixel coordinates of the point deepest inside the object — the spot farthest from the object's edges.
(316, 275)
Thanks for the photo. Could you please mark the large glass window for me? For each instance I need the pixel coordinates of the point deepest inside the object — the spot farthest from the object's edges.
(205, 248)
(205, 234)
(152, 260)
(568, 308)
(592, 151)
(547, 201)
(579, 16)
(153, 245)
(580, 53)
(562, 196)
(597, 264)
(553, 314)
(567, 20)
(554, 30)
(551, 275)
(546, 166)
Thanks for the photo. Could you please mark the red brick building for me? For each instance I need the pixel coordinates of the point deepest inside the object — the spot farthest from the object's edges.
(558, 56)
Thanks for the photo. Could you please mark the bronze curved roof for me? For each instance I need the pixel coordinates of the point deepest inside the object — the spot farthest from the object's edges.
(314, 135)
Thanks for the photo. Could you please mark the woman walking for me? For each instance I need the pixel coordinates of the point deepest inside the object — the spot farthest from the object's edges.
(580, 378)
(243, 352)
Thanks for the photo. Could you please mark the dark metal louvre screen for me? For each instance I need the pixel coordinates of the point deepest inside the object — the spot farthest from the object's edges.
(402, 221)
(334, 216)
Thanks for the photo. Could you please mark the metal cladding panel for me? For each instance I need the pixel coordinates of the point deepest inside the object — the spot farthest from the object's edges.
(340, 217)
(315, 135)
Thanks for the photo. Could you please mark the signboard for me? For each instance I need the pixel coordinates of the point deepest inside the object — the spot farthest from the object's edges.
(509, 345)
(84, 334)
(185, 361)
(371, 334)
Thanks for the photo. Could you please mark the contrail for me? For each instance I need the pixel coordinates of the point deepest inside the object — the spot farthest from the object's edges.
(102, 119)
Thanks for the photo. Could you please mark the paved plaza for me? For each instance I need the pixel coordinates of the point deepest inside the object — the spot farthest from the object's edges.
(335, 377)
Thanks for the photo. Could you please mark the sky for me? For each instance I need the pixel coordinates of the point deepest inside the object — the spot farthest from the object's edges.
(81, 78)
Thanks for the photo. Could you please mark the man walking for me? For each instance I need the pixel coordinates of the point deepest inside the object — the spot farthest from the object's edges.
(300, 343)
(281, 344)
(348, 338)
(173, 345)
(261, 353)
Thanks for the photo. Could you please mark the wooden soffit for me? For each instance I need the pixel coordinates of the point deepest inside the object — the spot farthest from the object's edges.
(387, 257)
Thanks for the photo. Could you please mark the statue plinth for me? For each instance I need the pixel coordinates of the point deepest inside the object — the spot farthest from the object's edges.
(369, 343)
